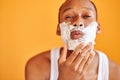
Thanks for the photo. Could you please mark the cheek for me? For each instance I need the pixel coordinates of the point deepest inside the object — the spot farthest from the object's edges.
(58, 31)
(86, 23)
(61, 20)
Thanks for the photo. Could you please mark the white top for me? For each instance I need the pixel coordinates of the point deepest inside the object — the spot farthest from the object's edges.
(103, 70)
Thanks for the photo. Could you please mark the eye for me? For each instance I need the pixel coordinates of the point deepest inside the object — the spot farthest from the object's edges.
(86, 16)
(68, 17)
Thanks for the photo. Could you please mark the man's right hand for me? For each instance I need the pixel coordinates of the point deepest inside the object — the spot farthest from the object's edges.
(74, 67)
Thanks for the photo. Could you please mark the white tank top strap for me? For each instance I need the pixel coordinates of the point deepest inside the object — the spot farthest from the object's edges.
(54, 63)
(103, 70)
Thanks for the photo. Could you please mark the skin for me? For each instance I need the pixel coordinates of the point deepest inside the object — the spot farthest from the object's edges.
(82, 63)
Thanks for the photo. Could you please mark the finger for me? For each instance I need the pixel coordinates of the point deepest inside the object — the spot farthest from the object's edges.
(63, 54)
(80, 47)
(83, 61)
(82, 58)
(74, 54)
(88, 62)
(86, 49)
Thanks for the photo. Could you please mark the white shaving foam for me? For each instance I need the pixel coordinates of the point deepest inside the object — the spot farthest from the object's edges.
(89, 34)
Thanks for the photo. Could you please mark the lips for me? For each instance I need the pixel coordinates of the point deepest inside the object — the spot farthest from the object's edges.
(76, 34)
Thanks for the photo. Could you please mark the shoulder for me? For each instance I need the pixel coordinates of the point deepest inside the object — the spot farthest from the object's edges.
(114, 70)
(38, 67)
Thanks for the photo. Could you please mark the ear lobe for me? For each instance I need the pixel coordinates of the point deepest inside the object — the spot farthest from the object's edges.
(58, 32)
(98, 28)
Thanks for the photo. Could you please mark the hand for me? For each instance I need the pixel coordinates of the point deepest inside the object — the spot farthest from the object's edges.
(74, 67)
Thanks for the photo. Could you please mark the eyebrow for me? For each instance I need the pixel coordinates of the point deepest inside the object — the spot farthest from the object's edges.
(67, 9)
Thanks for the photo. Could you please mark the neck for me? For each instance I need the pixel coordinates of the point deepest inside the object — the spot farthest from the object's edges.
(69, 52)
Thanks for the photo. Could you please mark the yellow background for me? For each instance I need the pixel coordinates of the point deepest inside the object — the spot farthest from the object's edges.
(28, 27)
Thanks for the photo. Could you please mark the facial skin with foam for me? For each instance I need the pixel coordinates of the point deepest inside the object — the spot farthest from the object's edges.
(89, 34)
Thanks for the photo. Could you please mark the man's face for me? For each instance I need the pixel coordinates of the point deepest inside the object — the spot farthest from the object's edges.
(77, 22)
(77, 12)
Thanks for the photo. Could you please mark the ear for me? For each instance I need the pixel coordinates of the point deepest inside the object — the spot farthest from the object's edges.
(58, 32)
(98, 28)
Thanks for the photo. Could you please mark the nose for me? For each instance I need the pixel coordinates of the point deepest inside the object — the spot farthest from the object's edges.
(78, 22)
(81, 24)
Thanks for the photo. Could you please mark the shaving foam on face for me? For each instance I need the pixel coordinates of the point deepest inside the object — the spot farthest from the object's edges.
(89, 34)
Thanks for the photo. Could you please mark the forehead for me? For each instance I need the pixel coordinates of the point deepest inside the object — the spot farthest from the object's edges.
(77, 4)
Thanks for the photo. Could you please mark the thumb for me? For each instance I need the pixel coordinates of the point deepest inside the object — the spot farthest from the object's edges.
(63, 54)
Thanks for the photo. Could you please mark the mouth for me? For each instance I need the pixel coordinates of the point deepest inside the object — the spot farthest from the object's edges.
(76, 34)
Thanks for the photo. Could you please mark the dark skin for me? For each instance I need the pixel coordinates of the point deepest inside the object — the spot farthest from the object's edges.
(79, 66)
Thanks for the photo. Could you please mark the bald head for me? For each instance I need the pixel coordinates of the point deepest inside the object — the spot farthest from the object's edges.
(68, 3)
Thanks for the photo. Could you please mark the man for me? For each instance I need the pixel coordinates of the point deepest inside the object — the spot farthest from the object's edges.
(77, 60)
